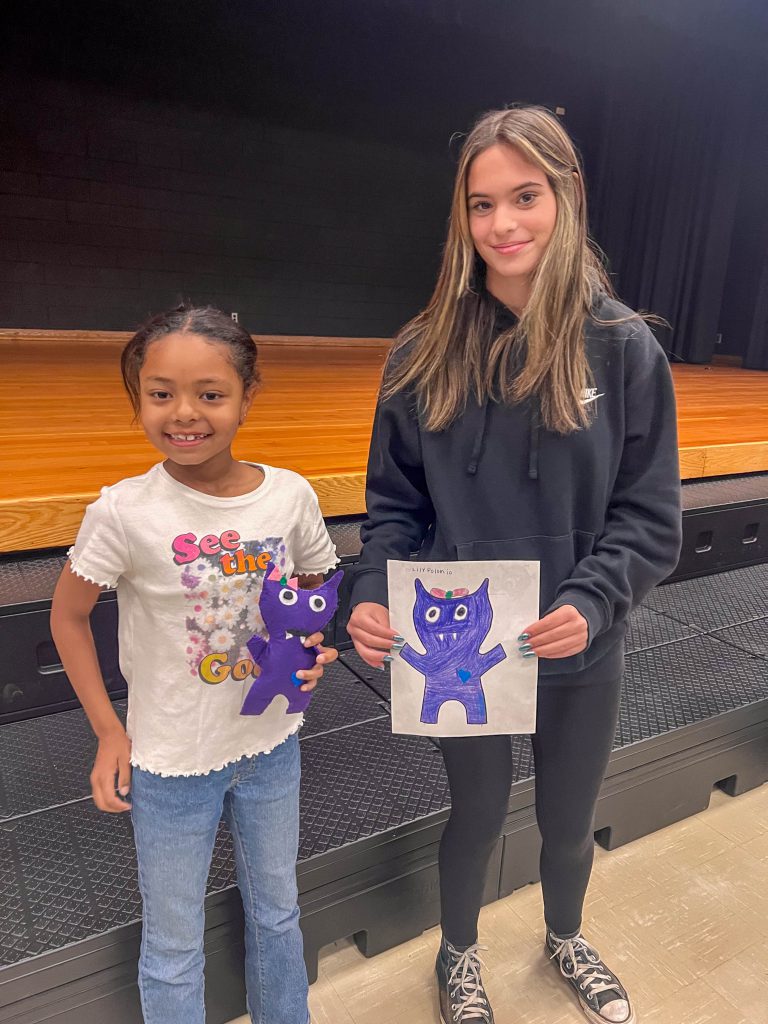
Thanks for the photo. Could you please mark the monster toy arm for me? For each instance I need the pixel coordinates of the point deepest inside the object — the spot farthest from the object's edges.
(257, 645)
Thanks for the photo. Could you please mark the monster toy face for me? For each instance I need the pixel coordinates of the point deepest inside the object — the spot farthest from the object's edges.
(443, 620)
(289, 611)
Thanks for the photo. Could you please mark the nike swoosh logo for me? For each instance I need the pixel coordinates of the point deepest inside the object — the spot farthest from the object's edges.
(594, 398)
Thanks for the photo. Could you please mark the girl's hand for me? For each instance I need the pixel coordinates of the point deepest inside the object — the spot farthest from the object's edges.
(113, 758)
(371, 633)
(325, 656)
(561, 634)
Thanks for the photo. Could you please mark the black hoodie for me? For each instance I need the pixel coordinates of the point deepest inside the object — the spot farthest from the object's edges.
(598, 508)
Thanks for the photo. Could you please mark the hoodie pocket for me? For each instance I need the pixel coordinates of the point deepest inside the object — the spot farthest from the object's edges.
(557, 558)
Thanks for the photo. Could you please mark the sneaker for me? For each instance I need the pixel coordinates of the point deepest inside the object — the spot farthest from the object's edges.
(460, 987)
(603, 998)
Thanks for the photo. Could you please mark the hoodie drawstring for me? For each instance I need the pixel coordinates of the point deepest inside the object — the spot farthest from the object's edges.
(533, 444)
(477, 447)
(533, 441)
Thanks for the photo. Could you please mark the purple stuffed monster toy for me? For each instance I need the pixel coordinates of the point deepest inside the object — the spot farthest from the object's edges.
(290, 615)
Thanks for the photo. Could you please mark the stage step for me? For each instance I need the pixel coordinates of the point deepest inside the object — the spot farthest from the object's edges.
(694, 714)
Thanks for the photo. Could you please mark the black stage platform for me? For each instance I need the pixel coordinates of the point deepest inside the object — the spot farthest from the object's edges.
(694, 715)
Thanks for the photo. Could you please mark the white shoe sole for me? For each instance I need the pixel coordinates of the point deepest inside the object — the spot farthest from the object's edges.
(595, 1018)
(588, 1012)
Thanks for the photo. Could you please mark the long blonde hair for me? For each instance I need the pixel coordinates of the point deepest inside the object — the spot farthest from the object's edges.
(451, 357)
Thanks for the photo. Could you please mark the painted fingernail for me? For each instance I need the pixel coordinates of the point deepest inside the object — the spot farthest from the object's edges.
(397, 647)
(399, 639)
(388, 658)
(523, 636)
(525, 647)
(530, 654)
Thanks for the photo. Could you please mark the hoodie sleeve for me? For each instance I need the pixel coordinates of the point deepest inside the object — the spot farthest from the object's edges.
(641, 541)
(399, 507)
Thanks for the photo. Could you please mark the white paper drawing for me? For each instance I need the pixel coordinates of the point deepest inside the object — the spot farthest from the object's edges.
(460, 672)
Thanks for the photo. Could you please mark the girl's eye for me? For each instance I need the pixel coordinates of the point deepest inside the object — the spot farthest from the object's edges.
(480, 206)
(288, 597)
(433, 614)
(211, 396)
(317, 603)
(527, 198)
(159, 394)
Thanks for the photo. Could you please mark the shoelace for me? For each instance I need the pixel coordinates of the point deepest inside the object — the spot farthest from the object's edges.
(465, 987)
(590, 973)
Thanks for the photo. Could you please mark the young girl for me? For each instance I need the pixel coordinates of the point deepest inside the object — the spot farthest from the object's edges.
(186, 545)
(526, 414)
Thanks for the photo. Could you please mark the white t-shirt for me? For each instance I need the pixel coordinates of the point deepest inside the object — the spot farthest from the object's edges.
(188, 569)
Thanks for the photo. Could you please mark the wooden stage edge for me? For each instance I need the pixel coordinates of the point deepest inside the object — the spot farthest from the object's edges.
(28, 524)
(66, 423)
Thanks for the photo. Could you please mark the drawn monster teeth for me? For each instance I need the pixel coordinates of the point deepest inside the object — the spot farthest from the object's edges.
(440, 636)
(454, 637)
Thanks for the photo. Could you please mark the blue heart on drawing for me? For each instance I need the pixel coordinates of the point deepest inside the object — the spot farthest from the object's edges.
(463, 674)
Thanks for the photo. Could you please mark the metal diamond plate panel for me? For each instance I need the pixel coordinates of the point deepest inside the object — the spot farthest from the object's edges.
(364, 780)
(26, 579)
(749, 636)
(70, 873)
(683, 683)
(648, 628)
(340, 700)
(713, 602)
(46, 761)
(345, 534)
(728, 491)
(378, 681)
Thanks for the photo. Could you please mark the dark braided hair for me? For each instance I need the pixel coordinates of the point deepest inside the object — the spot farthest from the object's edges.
(208, 322)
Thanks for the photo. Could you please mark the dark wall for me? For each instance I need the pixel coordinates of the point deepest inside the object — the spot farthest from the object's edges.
(293, 161)
(112, 207)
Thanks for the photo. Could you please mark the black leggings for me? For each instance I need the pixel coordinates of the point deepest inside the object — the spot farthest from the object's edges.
(575, 726)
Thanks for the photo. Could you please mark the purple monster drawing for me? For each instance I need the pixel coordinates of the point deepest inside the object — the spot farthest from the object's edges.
(452, 626)
(290, 616)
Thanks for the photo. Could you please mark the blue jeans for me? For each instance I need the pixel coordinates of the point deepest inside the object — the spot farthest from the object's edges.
(174, 822)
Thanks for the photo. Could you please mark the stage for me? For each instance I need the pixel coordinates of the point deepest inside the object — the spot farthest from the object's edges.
(67, 425)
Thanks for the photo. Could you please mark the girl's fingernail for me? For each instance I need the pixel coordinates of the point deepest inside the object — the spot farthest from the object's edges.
(124, 790)
(397, 647)
(388, 658)
(399, 639)
(380, 668)
(525, 647)
(530, 654)
(522, 637)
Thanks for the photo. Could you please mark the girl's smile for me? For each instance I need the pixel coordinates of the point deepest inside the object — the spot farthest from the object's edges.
(511, 248)
(187, 440)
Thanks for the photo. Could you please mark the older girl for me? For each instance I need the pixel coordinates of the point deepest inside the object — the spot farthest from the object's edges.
(526, 414)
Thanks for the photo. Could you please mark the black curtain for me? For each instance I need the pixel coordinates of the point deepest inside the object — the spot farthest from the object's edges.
(677, 111)
(756, 357)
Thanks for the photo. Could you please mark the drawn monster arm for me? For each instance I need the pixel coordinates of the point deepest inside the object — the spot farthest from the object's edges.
(492, 658)
(257, 645)
(414, 659)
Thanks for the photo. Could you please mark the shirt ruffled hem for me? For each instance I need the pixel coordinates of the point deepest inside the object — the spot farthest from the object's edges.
(86, 576)
(316, 572)
(145, 766)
